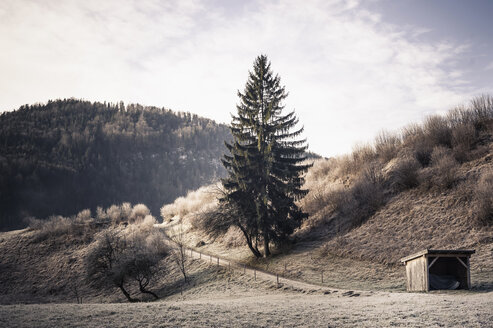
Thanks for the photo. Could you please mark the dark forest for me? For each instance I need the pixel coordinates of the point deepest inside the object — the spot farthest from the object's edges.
(68, 155)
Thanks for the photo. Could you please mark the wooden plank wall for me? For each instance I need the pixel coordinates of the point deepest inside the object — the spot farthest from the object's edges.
(417, 274)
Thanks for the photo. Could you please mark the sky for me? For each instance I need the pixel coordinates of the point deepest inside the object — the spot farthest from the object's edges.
(352, 68)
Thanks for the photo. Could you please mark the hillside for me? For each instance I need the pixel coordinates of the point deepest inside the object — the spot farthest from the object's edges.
(68, 155)
(42, 273)
(429, 186)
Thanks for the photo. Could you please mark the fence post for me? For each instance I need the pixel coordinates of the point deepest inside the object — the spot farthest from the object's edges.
(244, 268)
(218, 261)
(322, 276)
(277, 277)
(255, 274)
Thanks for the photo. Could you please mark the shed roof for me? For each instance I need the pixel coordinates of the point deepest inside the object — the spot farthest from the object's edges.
(467, 252)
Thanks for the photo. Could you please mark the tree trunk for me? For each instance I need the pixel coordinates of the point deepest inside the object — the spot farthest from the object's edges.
(145, 291)
(249, 242)
(266, 245)
(127, 295)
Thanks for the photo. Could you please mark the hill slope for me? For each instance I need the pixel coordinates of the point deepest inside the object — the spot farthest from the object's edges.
(68, 155)
(430, 186)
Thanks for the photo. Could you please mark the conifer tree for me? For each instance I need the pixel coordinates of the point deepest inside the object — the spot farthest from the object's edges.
(264, 164)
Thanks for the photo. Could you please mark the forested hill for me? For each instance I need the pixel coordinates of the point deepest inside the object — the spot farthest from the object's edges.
(68, 155)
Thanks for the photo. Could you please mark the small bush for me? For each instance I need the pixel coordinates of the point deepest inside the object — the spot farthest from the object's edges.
(438, 131)
(404, 174)
(84, 215)
(197, 200)
(56, 226)
(484, 197)
(139, 212)
(464, 134)
(443, 171)
(365, 197)
(387, 145)
(464, 137)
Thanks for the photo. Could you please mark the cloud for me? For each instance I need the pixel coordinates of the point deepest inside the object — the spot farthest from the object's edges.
(349, 73)
(489, 66)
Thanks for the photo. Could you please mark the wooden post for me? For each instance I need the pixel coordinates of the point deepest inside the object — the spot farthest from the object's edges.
(255, 274)
(244, 268)
(218, 261)
(322, 276)
(277, 277)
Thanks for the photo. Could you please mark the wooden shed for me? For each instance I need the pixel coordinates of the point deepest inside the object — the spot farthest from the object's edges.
(438, 269)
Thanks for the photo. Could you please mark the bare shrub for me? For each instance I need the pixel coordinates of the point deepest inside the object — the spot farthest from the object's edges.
(84, 215)
(194, 201)
(119, 257)
(464, 136)
(126, 210)
(387, 145)
(139, 212)
(415, 139)
(482, 107)
(438, 131)
(365, 197)
(179, 254)
(443, 171)
(101, 214)
(114, 213)
(58, 225)
(484, 197)
(404, 174)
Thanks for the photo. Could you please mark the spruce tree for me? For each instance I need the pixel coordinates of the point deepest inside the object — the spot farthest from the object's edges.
(264, 164)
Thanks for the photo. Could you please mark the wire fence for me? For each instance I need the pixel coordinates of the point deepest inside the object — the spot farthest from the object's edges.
(257, 273)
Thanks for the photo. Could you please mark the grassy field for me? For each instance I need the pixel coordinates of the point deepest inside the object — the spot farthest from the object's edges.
(267, 308)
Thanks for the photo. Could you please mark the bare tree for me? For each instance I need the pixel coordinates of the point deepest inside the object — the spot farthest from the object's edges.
(118, 258)
(179, 255)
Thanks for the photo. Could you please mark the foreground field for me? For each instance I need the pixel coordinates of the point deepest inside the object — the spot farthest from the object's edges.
(288, 309)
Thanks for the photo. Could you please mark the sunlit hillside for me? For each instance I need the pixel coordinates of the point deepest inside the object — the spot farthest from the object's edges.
(428, 186)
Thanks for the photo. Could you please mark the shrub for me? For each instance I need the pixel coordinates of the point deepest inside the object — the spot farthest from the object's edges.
(364, 198)
(404, 174)
(482, 109)
(58, 225)
(464, 136)
(197, 200)
(438, 131)
(443, 171)
(118, 257)
(139, 212)
(484, 196)
(387, 145)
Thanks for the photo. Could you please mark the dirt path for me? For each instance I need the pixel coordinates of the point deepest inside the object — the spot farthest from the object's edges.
(278, 280)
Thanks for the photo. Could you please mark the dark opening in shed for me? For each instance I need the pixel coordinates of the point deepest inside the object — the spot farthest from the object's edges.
(438, 269)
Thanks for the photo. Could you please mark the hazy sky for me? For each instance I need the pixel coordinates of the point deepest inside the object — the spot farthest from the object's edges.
(352, 68)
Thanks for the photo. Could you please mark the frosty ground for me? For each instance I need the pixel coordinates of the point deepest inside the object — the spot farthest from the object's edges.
(237, 300)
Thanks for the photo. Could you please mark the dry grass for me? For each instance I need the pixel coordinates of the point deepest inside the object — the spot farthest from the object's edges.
(337, 309)
(484, 197)
(424, 187)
